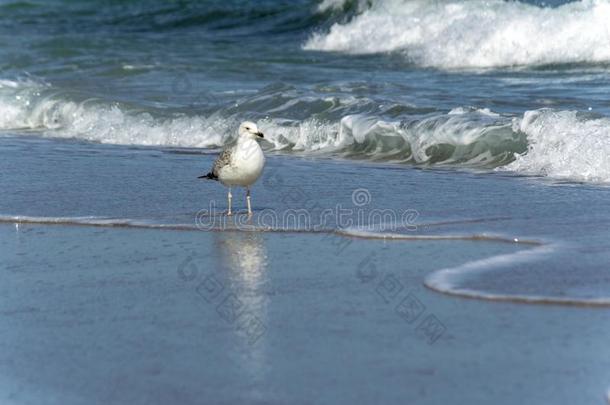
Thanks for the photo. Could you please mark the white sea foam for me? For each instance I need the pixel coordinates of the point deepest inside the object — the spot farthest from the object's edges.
(558, 144)
(564, 145)
(31, 105)
(335, 5)
(452, 34)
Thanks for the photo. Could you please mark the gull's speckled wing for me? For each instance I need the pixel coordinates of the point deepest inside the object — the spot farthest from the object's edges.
(223, 160)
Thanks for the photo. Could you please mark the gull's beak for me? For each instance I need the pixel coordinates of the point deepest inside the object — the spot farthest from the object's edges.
(260, 134)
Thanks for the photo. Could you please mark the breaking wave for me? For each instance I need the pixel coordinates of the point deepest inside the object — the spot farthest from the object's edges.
(448, 34)
(558, 144)
(564, 145)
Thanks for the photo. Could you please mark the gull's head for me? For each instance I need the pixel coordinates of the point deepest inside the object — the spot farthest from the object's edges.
(250, 130)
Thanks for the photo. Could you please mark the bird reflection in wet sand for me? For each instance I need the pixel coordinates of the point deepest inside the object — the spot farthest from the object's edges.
(243, 258)
(245, 254)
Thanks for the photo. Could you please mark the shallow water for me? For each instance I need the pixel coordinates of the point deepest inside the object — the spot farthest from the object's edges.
(120, 295)
(78, 183)
(115, 316)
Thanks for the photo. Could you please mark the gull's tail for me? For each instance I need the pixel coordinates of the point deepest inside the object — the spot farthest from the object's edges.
(209, 176)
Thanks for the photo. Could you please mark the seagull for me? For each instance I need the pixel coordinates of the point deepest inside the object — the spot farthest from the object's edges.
(240, 164)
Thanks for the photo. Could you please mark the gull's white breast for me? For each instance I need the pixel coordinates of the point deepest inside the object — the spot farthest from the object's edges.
(246, 164)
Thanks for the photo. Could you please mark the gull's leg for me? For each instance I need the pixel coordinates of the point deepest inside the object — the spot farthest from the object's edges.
(248, 200)
(230, 198)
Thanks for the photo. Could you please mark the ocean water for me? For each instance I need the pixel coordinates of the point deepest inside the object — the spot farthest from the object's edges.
(432, 224)
(458, 84)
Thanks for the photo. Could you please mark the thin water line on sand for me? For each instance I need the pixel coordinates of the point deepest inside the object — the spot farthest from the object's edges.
(443, 281)
(473, 237)
(109, 222)
(128, 223)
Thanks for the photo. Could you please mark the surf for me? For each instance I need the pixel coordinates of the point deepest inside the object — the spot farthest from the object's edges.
(558, 144)
(449, 34)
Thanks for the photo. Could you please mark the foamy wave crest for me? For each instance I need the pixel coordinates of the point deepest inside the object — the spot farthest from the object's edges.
(33, 105)
(463, 136)
(451, 34)
(559, 144)
(564, 145)
(474, 138)
(338, 5)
